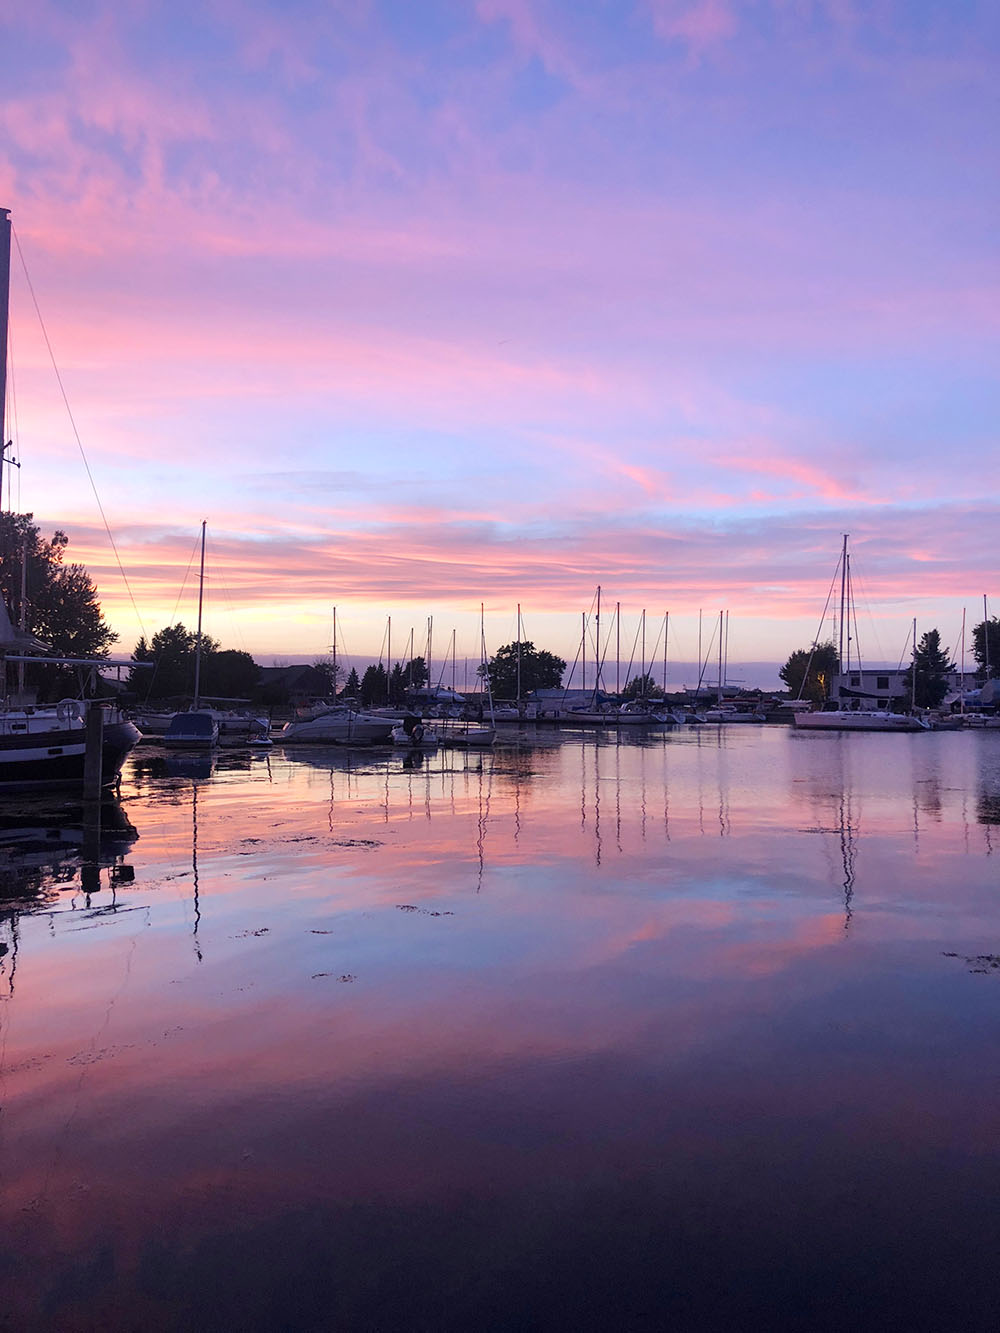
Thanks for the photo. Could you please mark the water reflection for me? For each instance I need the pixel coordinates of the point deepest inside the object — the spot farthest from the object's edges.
(516, 1040)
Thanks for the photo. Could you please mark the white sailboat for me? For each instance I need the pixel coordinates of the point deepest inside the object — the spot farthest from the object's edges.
(856, 716)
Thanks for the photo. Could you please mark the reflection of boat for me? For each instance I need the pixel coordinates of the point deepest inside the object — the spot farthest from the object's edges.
(41, 839)
(337, 725)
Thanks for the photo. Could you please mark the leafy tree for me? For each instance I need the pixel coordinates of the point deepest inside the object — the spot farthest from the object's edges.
(986, 646)
(229, 674)
(932, 665)
(415, 673)
(352, 686)
(540, 670)
(172, 650)
(330, 672)
(373, 686)
(61, 606)
(809, 673)
(641, 687)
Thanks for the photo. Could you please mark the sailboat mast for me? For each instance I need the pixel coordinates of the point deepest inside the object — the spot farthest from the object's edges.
(961, 705)
(4, 310)
(597, 661)
(201, 598)
(583, 646)
(388, 653)
(843, 599)
(720, 657)
(643, 673)
(333, 650)
(986, 638)
(454, 632)
(618, 647)
(913, 670)
(666, 631)
(519, 652)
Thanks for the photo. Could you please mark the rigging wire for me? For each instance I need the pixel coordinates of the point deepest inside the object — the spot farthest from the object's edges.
(76, 433)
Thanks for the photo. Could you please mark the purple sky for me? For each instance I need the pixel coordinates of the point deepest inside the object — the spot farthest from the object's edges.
(427, 304)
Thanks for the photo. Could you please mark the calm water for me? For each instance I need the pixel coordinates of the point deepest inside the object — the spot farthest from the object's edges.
(694, 1032)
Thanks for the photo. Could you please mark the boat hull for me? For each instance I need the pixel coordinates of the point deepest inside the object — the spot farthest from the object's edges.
(856, 721)
(56, 758)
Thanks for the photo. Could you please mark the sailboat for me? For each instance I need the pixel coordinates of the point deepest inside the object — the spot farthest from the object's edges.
(855, 717)
(44, 746)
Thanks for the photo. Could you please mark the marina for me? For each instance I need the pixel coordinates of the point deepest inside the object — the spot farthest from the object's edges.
(355, 1038)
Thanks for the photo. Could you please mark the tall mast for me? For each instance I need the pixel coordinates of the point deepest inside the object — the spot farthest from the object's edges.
(388, 653)
(333, 650)
(666, 631)
(430, 632)
(843, 599)
(583, 646)
(519, 652)
(4, 309)
(725, 653)
(597, 659)
(720, 657)
(913, 670)
(986, 638)
(454, 665)
(961, 706)
(643, 672)
(201, 598)
(618, 647)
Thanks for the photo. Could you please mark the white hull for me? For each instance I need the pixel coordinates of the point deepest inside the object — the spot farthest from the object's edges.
(338, 728)
(856, 720)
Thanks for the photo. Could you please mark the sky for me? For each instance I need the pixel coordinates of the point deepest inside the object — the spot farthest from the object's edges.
(427, 305)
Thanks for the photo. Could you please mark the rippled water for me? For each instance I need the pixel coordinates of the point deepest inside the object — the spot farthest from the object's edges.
(694, 1031)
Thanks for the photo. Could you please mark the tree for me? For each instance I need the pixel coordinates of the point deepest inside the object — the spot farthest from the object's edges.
(172, 650)
(932, 666)
(540, 670)
(61, 606)
(352, 686)
(641, 687)
(809, 672)
(373, 686)
(397, 685)
(415, 673)
(986, 646)
(229, 674)
(330, 671)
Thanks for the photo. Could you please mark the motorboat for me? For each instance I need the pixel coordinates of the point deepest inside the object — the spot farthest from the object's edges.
(337, 725)
(195, 730)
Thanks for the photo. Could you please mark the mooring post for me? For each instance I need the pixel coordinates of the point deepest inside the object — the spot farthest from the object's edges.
(92, 766)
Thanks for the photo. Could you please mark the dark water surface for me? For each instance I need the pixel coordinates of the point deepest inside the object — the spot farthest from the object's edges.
(691, 1032)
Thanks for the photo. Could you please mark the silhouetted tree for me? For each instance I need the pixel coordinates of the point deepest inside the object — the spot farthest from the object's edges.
(331, 674)
(415, 673)
(641, 687)
(172, 651)
(986, 646)
(809, 672)
(229, 674)
(373, 686)
(61, 607)
(932, 666)
(352, 686)
(540, 670)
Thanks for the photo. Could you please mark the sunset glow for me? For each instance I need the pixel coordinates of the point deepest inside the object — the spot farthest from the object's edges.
(427, 305)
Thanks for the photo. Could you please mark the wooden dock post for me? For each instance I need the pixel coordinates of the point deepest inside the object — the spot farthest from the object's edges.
(92, 760)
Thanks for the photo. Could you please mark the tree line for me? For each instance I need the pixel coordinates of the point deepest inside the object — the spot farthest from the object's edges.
(59, 607)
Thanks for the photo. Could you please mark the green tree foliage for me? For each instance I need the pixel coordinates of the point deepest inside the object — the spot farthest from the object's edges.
(809, 673)
(540, 670)
(172, 650)
(986, 646)
(352, 686)
(61, 606)
(932, 664)
(397, 684)
(642, 686)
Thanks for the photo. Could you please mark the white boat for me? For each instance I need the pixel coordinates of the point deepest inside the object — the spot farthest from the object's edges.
(417, 739)
(859, 719)
(338, 725)
(731, 714)
(856, 715)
